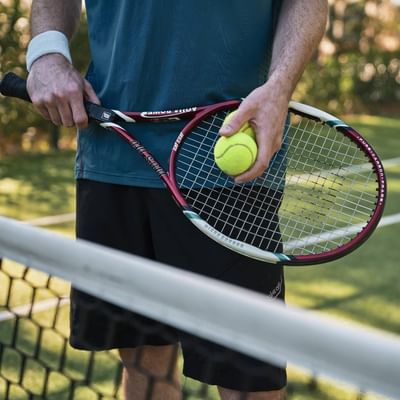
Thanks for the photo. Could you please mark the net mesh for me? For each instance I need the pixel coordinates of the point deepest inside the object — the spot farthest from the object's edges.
(330, 189)
(37, 362)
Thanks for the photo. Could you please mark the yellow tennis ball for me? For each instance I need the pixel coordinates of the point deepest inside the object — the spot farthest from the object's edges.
(246, 128)
(235, 154)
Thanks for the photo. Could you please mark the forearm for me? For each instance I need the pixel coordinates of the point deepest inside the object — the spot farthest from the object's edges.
(300, 28)
(56, 88)
(58, 15)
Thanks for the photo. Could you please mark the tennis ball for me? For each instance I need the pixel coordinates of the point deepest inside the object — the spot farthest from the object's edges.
(246, 128)
(235, 154)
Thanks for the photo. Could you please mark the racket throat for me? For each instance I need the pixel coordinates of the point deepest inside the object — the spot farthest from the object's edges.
(155, 165)
(233, 244)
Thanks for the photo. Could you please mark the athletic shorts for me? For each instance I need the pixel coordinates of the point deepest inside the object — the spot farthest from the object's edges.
(147, 222)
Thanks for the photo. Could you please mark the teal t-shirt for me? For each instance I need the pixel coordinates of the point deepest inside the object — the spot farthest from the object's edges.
(161, 54)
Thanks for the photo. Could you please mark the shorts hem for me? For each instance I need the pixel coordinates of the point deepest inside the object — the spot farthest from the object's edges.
(235, 385)
(116, 179)
(86, 347)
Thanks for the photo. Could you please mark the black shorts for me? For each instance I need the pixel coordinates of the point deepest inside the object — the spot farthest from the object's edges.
(147, 222)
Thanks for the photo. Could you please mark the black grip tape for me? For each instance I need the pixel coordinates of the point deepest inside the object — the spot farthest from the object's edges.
(14, 86)
(100, 114)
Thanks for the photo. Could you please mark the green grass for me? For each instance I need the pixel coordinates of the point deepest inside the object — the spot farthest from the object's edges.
(34, 185)
(362, 287)
(381, 132)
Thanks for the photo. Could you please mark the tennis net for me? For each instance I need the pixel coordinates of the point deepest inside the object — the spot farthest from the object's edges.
(36, 361)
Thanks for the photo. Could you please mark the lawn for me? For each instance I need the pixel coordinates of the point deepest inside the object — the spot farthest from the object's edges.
(362, 288)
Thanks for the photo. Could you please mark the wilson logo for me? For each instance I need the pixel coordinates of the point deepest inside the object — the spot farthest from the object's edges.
(106, 115)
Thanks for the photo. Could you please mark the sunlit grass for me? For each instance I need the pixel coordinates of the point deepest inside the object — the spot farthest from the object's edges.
(33, 185)
(381, 132)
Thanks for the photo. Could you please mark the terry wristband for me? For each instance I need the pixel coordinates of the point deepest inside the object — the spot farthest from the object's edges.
(46, 43)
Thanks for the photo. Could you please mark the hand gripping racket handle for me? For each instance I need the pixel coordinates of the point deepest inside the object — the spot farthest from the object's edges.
(15, 86)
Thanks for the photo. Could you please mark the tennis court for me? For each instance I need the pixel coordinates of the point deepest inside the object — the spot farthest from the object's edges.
(35, 359)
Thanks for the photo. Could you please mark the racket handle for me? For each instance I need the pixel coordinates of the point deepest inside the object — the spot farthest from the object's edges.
(14, 86)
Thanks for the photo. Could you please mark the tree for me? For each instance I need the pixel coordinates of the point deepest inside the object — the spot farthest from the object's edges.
(19, 123)
(357, 67)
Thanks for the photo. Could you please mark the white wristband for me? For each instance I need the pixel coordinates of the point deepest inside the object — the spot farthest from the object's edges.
(46, 43)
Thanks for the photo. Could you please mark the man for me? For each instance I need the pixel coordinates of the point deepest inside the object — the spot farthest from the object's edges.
(158, 55)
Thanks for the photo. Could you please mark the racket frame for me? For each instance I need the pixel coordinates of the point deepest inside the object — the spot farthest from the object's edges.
(14, 86)
(328, 119)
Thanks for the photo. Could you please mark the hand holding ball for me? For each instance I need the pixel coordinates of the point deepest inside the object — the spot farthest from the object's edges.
(237, 153)
(246, 128)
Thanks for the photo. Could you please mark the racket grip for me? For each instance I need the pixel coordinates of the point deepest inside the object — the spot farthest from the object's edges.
(14, 86)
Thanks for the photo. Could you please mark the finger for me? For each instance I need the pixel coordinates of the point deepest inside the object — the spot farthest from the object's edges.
(43, 111)
(80, 116)
(64, 110)
(258, 168)
(264, 155)
(54, 114)
(238, 119)
(89, 93)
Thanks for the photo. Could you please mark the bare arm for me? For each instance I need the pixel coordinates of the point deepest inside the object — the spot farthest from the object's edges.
(56, 88)
(300, 28)
(56, 15)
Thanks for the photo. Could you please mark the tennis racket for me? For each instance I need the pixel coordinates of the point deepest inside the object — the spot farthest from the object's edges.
(320, 198)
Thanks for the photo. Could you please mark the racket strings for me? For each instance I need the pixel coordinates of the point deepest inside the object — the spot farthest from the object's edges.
(317, 188)
(232, 209)
(351, 200)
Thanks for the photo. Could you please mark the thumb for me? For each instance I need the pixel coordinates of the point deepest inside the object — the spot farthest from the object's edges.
(234, 121)
(89, 93)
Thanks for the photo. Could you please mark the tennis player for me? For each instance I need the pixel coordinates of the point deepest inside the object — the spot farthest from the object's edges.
(155, 55)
